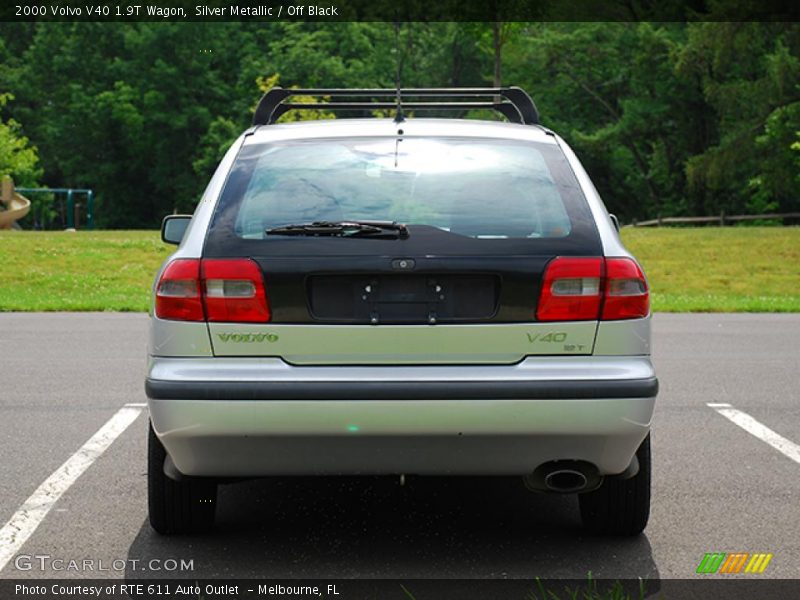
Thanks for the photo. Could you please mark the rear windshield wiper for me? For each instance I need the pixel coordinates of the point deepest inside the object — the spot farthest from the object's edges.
(375, 229)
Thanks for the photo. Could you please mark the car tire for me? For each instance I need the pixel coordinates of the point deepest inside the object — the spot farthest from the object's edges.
(176, 506)
(620, 507)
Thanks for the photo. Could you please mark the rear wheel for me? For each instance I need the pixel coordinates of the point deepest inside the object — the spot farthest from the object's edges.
(620, 506)
(176, 506)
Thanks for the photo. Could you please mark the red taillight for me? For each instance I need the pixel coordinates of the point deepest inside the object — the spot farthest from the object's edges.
(233, 291)
(626, 292)
(571, 290)
(178, 291)
(217, 290)
(587, 289)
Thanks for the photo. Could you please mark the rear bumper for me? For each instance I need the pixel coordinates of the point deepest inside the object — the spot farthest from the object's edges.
(401, 390)
(251, 417)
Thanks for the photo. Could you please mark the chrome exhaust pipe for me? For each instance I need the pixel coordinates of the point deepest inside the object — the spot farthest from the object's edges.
(564, 477)
(565, 481)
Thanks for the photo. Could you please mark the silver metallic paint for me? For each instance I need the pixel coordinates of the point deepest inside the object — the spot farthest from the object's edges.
(403, 344)
(256, 438)
(543, 368)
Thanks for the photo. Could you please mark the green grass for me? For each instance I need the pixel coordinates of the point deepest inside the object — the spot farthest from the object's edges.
(78, 271)
(590, 590)
(712, 269)
(735, 269)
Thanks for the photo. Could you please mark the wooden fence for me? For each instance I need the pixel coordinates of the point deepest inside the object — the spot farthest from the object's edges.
(721, 220)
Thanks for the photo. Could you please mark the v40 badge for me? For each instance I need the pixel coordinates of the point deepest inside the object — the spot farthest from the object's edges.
(553, 336)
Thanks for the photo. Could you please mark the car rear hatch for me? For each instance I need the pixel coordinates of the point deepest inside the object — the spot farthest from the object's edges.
(462, 287)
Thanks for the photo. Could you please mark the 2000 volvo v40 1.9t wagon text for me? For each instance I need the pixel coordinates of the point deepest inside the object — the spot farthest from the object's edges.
(407, 296)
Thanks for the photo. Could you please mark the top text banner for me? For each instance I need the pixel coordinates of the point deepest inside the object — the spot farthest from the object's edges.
(177, 11)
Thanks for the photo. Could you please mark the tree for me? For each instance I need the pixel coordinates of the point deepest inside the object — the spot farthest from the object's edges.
(501, 34)
(668, 118)
(618, 102)
(18, 158)
(749, 74)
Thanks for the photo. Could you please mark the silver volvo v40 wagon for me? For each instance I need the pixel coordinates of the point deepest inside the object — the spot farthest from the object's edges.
(421, 296)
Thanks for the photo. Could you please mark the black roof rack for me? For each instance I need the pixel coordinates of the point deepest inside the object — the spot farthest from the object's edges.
(512, 102)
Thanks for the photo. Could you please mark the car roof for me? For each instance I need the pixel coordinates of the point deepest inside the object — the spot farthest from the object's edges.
(415, 127)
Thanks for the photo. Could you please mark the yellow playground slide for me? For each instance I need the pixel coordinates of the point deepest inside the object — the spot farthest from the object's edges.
(12, 206)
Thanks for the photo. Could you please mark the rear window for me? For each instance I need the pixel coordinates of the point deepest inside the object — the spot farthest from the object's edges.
(477, 188)
(499, 194)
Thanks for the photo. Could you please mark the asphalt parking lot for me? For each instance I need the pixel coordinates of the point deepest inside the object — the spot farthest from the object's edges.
(718, 486)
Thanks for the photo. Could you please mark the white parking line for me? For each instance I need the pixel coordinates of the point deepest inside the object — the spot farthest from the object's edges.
(762, 432)
(28, 517)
